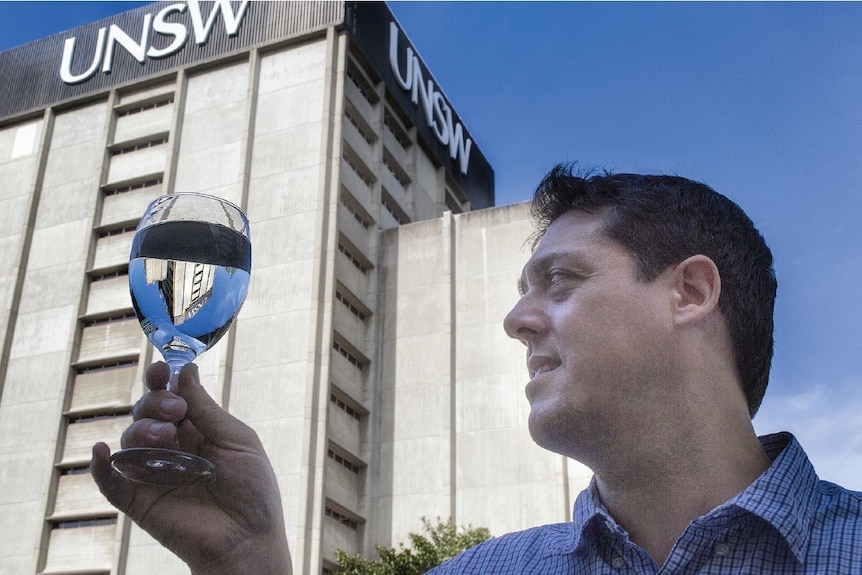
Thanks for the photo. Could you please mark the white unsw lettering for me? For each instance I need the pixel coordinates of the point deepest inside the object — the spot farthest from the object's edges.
(140, 50)
(438, 112)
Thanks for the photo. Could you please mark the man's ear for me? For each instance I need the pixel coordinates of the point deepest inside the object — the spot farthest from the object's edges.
(697, 286)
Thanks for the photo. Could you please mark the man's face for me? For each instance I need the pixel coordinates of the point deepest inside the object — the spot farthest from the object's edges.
(599, 352)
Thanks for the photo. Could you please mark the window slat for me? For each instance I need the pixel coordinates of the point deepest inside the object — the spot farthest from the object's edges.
(86, 549)
(81, 436)
(110, 339)
(104, 390)
(79, 497)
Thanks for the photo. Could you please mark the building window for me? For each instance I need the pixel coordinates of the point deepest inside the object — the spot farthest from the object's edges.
(394, 127)
(101, 276)
(361, 171)
(139, 146)
(342, 518)
(148, 106)
(136, 186)
(107, 366)
(83, 470)
(362, 84)
(106, 320)
(99, 416)
(353, 207)
(455, 200)
(351, 303)
(344, 406)
(77, 523)
(396, 171)
(117, 231)
(393, 208)
(366, 133)
(357, 260)
(348, 354)
(452, 204)
(344, 461)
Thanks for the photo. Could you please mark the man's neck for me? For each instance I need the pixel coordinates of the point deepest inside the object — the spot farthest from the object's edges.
(655, 499)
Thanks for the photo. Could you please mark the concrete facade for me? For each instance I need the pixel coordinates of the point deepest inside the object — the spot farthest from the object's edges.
(369, 355)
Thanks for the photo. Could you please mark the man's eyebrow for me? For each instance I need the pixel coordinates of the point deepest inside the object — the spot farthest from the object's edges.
(541, 264)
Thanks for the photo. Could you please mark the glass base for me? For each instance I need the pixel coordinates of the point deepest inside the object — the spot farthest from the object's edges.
(163, 466)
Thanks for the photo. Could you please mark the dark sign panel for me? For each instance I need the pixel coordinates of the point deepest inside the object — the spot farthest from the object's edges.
(164, 36)
(375, 31)
(144, 42)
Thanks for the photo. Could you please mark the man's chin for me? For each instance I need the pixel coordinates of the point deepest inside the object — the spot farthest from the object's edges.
(558, 435)
(543, 430)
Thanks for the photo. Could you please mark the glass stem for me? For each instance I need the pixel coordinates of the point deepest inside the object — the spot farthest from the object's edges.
(173, 385)
(173, 382)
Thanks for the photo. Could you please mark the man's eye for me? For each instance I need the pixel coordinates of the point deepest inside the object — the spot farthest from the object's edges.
(555, 277)
(559, 279)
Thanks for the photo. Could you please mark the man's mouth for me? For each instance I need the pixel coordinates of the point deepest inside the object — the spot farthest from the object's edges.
(538, 366)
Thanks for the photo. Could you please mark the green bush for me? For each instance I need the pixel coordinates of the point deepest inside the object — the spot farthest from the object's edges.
(433, 546)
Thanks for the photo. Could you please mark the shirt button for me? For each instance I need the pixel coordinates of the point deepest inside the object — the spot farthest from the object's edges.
(722, 550)
(618, 563)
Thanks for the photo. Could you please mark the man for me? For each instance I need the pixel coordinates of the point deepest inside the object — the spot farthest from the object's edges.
(646, 311)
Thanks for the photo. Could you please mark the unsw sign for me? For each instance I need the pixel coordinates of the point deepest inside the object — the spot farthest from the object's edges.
(438, 112)
(155, 25)
(375, 32)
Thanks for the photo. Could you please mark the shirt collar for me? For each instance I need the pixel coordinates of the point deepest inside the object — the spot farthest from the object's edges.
(782, 496)
(590, 517)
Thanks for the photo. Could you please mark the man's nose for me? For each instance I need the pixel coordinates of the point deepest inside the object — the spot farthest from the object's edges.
(525, 320)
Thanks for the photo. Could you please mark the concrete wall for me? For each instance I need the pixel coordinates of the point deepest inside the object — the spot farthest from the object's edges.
(410, 474)
(465, 451)
(19, 498)
(274, 337)
(42, 323)
(253, 132)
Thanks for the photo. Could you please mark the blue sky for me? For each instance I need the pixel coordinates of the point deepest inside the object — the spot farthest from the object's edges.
(762, 101)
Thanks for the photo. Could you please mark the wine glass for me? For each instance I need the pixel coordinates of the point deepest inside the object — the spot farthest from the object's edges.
(188, 274)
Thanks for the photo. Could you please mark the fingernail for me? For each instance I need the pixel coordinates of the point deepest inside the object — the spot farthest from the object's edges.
(167, 405)
(157, 428)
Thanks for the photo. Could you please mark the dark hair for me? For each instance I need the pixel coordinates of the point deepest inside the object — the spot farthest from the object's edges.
(662, 220)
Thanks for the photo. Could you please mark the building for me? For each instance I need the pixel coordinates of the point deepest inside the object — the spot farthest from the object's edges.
(369, 355)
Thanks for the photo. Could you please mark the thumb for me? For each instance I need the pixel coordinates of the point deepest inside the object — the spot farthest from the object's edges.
(116, 489)
(208, 417)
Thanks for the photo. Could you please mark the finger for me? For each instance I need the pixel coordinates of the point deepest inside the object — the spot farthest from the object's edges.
(112, 485)
(160, 404)
(208, 418)
(149, 433)
(189, 438)
(157, 375)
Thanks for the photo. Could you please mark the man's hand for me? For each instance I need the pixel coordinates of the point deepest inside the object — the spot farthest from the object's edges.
(233, 525)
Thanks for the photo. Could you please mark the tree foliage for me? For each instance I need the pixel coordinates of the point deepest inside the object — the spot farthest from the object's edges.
(426, 550)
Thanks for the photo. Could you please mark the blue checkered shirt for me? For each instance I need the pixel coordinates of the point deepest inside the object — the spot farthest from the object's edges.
(786, 522)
